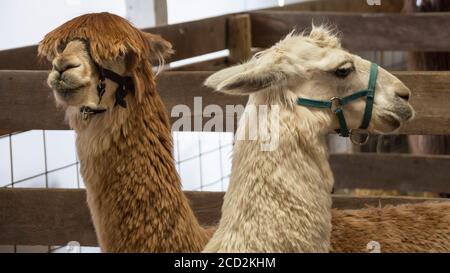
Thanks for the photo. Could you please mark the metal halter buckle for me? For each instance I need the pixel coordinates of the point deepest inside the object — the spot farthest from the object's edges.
(85, 112)
(363, 138)
(101, 88)
(336, 102)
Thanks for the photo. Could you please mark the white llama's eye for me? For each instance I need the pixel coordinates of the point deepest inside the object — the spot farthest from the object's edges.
(344, 70)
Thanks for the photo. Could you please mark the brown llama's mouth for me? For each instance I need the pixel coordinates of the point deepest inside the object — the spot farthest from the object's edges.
(62, 87)
(67, 93)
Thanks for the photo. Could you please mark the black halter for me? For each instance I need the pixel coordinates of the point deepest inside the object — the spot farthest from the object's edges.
(125, 84)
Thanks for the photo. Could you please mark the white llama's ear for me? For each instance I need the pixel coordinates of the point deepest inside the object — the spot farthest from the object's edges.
(245, 79)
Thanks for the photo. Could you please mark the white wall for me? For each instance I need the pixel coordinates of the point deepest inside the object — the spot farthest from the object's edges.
(25, 22)
(188, 10)
(182, 10)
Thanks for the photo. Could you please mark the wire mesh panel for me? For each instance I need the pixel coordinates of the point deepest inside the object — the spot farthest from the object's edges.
(203, 159)
(47, 159)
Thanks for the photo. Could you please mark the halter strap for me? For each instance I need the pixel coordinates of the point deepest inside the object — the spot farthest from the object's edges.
(87, 111)
(125, 84)
(337, 103)
(370, 96)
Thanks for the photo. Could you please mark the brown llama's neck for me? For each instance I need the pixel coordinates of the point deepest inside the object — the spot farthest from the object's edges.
(279, 200)
(133, 189)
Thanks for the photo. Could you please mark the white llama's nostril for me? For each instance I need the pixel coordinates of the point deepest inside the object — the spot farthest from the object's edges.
(403, 94)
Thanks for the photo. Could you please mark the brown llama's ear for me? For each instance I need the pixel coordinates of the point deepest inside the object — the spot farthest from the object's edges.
(160, 49)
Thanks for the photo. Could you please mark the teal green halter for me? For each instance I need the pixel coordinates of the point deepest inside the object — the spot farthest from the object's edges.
(336, 104)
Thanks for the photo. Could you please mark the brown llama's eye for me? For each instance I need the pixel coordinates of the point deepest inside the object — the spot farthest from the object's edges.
(343, 72)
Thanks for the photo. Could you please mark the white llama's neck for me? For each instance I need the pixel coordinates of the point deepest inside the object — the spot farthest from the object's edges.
(279, 201)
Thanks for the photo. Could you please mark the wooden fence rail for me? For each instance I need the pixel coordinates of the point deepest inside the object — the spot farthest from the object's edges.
(189, 39)
(360, 31)
(56, 216)
(403, 172)
(26, 102)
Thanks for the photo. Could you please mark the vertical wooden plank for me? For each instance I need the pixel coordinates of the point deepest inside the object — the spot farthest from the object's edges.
(141, 13)
(161, 14)
(239, 39)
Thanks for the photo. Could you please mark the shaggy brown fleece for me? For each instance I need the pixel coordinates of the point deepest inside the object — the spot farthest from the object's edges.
(405, 228)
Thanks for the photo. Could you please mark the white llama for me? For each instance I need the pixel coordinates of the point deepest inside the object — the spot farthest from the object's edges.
(280, 200)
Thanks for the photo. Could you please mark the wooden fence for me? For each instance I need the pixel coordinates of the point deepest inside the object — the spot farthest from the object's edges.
(57, 216)
(54, 217)
(26, 102)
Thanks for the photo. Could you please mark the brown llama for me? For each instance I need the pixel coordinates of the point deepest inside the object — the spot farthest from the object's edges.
(102, 76)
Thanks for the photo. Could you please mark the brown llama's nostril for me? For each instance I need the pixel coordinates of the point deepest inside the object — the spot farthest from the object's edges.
(62, 66)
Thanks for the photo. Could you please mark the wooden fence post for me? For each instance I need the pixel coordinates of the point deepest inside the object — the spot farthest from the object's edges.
(239, 38)
(160, 12)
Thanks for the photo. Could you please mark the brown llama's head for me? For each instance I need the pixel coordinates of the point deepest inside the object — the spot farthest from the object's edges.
(80, 46)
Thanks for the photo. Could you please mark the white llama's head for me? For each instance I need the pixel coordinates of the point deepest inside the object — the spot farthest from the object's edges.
(316, 67)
